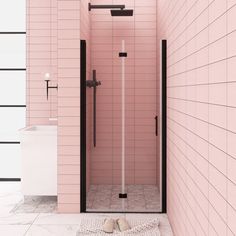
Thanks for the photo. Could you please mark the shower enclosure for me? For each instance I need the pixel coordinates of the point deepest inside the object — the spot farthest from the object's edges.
(122, 112)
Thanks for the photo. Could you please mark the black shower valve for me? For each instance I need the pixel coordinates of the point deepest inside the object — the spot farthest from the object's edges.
(93, 83)
(97, 83)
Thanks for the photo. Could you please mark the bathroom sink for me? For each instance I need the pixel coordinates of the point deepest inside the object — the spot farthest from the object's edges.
(39, 160)
(39, 128)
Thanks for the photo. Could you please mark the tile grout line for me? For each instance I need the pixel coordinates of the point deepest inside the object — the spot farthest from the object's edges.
(31, 224)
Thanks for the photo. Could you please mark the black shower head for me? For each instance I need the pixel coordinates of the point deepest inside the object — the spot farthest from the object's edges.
(125, 12)
(114, 12)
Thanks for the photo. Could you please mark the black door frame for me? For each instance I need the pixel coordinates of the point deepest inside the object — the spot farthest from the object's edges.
(164, 123)
(83, 127)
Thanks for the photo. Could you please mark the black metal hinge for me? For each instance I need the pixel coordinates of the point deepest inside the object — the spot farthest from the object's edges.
(123, 54)
(122, 195)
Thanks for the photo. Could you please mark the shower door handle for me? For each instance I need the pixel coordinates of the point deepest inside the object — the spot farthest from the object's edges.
(93, 84)
(156, 120)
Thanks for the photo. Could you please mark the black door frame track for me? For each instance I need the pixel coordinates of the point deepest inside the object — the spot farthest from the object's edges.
(83, 130)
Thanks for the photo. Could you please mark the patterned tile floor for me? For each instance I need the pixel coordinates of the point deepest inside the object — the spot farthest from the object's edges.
(143, 198)
(18, 221)
(34, 204)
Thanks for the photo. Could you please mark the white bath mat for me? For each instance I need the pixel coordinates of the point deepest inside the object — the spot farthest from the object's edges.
(139, 227)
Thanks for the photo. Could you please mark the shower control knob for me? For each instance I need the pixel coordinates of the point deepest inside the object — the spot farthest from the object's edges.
(90, 83)
(97, 83)
(93, 83)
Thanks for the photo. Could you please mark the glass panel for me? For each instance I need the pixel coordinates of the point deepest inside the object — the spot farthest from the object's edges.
(10, 165)
(138, 168)
(12, 51)
(11, 120)
(12, 88)
(12, 15)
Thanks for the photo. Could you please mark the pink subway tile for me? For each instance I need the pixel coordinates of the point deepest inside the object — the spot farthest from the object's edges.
(218, 203)
(218, 72)
(69, 24)
(68, 140)
(216, 9)
(68, 121)
(231, 51)
(69, 63)
(68, 179)
(68, 14)
(218, 137)
(231, 169)
(68, 5)
(68, 169)
(68, 72)
(218, 159)
(69, 189)
(231, 219)
(230, 3)
(218, 180)
(231, 188)
(67, 160)
(219, 225)
(217, 50)
(217, 93)
(69, 198)
(218, 29)
(68, 53)
(68, 208)
(69, 92)
(231, 144)
(69, 150)
(38, 4)
(145, 10)
(231, 119)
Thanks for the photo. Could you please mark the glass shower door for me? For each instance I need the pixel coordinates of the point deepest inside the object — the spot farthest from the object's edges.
(123, 161)
(123, 169)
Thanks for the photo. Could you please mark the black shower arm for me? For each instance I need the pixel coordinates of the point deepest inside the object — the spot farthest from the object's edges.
(90, 6)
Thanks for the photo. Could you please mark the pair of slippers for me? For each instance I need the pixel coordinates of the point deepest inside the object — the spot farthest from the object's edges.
(110, 224)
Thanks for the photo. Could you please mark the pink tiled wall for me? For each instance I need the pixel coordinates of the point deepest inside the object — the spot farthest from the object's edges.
(139, 32)
(53, 45)
(201, 115)
(69, 105)
(41, 59)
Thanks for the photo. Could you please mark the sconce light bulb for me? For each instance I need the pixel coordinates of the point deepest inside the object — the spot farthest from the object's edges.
(47, 76)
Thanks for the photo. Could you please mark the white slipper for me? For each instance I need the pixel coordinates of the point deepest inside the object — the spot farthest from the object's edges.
(108, 226)
(123, 224)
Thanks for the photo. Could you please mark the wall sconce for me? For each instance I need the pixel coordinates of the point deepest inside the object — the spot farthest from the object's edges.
(47, 79)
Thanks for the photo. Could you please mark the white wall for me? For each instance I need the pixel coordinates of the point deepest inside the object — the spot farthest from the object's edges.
(12, 84)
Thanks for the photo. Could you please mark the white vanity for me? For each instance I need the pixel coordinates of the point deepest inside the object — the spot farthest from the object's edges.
(39, 160)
